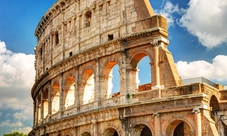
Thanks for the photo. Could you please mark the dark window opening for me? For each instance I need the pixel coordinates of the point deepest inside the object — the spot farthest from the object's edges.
(110, 37)
(70, 54)
(56, 39)
(88, 19)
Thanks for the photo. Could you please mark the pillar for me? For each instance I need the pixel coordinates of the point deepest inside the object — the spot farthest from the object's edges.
(61, 95)
(198, 123)
(49, 98)
(42, 105)
(77, 94)
(157, 124)
(123, 77)
(97, 84)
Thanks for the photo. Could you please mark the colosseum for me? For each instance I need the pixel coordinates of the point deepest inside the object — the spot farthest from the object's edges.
(79, 44)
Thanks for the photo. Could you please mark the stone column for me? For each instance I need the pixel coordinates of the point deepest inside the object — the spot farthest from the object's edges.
(198, 123)
(156, 81)
(49, 99)
(37, 110)
(123, 77)
(97, 84)
(42, 105)
(157, 124)
(77, 94)
(61, 95)
(95, 128)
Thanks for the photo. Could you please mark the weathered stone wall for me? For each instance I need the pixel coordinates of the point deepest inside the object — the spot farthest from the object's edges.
(79, 44)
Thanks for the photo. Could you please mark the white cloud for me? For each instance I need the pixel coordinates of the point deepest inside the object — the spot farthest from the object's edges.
(16, 79)
(8, 123)
(17, 69)
(213, 71)
(207, 21)
(20, 116)
(168, 10)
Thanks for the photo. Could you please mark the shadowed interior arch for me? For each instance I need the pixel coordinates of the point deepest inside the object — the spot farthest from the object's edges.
(69, 93)
(88, 85)
(55, 98)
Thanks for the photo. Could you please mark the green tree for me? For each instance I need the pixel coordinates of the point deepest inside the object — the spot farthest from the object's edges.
(15, 134)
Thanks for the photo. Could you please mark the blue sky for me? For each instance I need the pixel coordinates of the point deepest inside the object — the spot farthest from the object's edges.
(197, 34)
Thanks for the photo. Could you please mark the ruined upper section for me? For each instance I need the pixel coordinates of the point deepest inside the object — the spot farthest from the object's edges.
(70, 27)
(127, 11)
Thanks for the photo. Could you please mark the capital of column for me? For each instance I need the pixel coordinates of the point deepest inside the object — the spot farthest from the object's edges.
(156, 115)
(197, 109)
(158, 41)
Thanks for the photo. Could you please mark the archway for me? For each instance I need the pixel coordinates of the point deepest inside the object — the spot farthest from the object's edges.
(45, 102)
(140, 72)
(69, 93)
(144, 74)
(39, 108)
(55, 98)
(111, 80)
(214, 106)
(86, 134)
(89, 84)
(141, 130)
(179, 128)
(110, 132)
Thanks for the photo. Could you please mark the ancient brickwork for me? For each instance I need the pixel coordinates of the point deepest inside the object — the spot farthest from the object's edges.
(79, 44)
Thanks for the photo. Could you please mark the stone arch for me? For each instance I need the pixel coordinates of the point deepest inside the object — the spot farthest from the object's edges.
(45, 102)
(39, 108)
(69, 91)
(214, 106)
(111, 131)
(87, 85)
(106, 79)
(133, 74)
(141, 129)
(55, 97)
(86, 133)
(179, 128)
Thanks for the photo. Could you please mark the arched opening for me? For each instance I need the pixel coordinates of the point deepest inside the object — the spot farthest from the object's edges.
(45, 103)
(111, 80)
(55, 98)
(144, 74)
(146, 132)
(39, 108)
(140, 74)
(214, 106)
(179, 128)
(182, 129)
(69, 92)
(86, 134)
(88, 95)
(110, 132)
(141, 130)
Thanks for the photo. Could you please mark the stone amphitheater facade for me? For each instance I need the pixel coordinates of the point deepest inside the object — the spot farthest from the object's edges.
(79, 44)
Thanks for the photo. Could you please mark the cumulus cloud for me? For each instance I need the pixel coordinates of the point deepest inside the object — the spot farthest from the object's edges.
(216, 70)
(16, 79)
(168, 10)
(20, 116)
(17, 69)
(207, 21)
(8, 123)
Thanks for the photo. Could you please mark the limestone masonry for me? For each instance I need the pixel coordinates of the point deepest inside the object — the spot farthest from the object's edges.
(79, 44)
